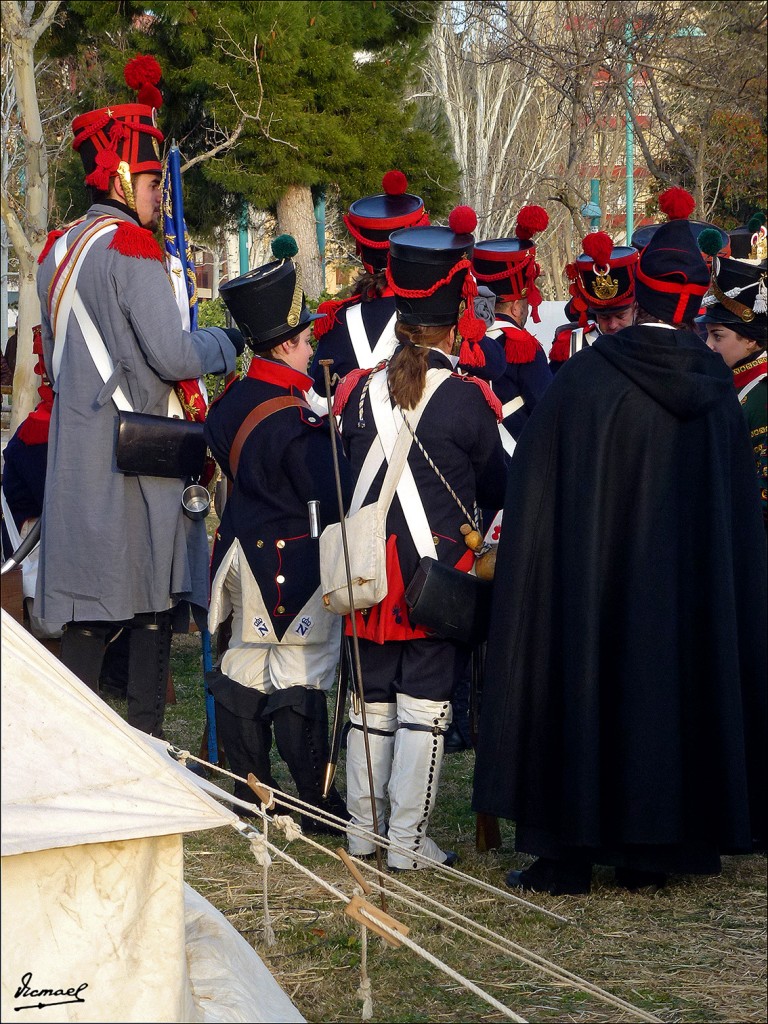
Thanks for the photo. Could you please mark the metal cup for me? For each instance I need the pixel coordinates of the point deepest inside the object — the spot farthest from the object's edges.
(196, 501)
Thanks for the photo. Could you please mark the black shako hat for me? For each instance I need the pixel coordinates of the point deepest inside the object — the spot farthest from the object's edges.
(123, 136)
(678, 204)
(268, 303)
(430, 272)
(643, 235)
(672, 276)
(372, 220)
(508, 265)
(737, 297)
(603, 276)
(743, 238)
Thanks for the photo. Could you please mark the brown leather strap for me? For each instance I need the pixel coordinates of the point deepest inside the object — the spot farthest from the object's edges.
(253, 419)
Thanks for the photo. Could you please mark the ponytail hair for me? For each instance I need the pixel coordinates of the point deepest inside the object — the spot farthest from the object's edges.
(407, 370)
(370, 286)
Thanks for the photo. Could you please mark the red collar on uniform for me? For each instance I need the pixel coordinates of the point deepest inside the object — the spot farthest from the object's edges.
(745, 373)
(279, 373)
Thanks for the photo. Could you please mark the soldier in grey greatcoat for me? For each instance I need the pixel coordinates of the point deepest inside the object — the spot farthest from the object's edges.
(116, 549)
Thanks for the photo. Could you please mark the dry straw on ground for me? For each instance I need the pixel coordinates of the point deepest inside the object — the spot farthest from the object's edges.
(692, 952)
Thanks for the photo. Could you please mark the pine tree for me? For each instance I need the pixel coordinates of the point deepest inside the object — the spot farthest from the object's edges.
(321, 85)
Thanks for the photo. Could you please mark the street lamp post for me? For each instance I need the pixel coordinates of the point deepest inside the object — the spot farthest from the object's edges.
(630, 139)
(243, 239)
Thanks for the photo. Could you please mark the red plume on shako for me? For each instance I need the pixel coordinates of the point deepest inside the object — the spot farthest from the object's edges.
(142, 73)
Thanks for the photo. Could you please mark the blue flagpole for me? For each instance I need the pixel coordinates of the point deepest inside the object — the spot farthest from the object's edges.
(210, 706)
(178, 248)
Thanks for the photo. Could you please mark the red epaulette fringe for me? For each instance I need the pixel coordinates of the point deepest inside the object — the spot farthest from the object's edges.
(36, 427)
(345, 388)
(53, 237)
(519, 345)
(488, 394)
(561, 347)
(133, 240)
(331, 308)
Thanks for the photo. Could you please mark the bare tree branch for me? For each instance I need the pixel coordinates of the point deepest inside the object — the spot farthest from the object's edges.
(229, 142)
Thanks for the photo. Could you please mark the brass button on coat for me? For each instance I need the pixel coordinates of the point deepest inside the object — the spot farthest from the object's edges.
(259, 543)
(280, 610)
(281, 543)
(280, 579)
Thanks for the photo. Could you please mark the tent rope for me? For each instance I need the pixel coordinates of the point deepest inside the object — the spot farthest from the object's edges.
(398, 936)
(426, 955)
(365, 991)
(502, 943)
(413, 898)
(345, 827)
(260, 851)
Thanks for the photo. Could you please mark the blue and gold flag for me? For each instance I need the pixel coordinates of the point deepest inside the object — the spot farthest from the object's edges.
(178, 251)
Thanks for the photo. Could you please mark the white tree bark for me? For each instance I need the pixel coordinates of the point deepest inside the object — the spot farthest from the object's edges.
(27, 227)
(517, 81)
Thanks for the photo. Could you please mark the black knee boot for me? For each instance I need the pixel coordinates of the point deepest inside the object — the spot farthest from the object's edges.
(300, 720)
(148, 661)
(82, 649)
(245, 736)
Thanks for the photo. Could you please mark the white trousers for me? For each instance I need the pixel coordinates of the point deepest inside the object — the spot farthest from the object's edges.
(277, 665)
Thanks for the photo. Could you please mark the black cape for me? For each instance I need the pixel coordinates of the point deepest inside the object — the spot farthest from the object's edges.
(624, 702)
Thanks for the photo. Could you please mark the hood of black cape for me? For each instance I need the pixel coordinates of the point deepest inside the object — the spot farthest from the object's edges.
(673, 367)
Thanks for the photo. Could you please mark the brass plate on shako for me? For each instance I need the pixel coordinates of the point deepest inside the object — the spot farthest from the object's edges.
(606, 287)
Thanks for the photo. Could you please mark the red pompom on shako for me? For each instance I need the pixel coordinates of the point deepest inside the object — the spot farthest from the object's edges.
(598, 246)
(677, 203)
(530, 221)
(394, 183)
(142, 69)
(143, 73)
(462, 220)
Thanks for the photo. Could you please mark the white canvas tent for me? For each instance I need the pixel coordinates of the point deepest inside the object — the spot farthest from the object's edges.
(95, 911)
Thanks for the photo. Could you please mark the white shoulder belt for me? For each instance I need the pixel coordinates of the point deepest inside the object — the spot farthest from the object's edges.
(364, 354)
(389, 422)
(66, 301)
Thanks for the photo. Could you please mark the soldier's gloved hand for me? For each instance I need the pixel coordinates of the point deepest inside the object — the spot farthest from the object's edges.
(236, 338)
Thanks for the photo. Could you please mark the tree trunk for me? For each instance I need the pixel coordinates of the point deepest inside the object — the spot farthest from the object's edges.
(27, 238)
(296, 216)
(25, 380)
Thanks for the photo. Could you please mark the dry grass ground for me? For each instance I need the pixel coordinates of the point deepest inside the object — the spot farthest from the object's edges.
(694, 951)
